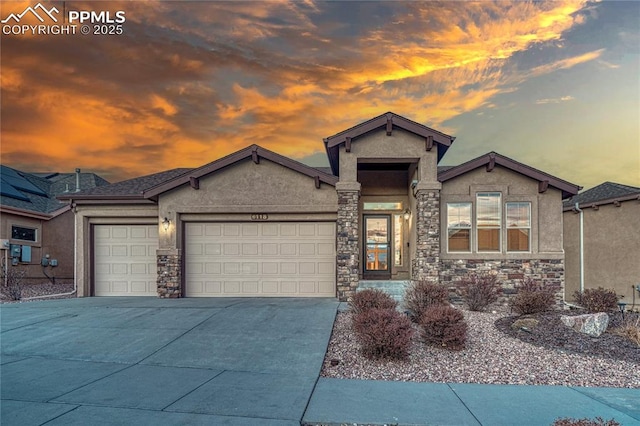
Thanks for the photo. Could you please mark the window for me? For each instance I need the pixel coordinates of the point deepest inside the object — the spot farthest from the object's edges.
(24, 234)
(382, 206)
(488, 221)
(518, 226)
(398, 245)
(459, 226)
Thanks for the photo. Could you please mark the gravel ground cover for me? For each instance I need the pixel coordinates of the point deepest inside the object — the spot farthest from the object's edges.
(496, 354)
(41, 289)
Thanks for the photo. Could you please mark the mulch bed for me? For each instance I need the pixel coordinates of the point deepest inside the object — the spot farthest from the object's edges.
(551, 333)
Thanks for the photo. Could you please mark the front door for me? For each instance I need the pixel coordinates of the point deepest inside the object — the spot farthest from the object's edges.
(377, 233)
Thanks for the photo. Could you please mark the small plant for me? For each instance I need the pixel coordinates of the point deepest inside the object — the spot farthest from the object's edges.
(598, 421)
(630, 329)
(480, 291)
(532, 298)
(444, 326)
(11, 278)
(421, 295)
(383, 333)
(597, 299)
(371, 299)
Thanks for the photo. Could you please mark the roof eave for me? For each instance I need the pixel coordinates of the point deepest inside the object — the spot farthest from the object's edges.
(612, 200)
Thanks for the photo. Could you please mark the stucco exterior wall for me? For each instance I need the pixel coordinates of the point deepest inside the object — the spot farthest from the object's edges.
(546, 210)
(54, 237)
(246, 188)
(88, 215)
(611, 249)
(401, 144)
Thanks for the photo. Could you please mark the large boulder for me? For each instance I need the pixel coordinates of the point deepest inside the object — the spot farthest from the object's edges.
(592, 324)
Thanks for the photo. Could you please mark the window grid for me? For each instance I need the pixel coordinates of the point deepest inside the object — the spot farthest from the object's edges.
(488, 221)
(459, 227)
(518, 224)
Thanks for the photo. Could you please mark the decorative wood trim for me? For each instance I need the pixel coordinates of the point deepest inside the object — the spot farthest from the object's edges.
(492, 162)
(616, 203)
(347, 144)
(254, 155)
(317, 180)
(194, 182)
(389, 124)
(543, 185)
(428, 143)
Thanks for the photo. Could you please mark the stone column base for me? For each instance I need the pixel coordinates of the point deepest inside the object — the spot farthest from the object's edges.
(169, 274)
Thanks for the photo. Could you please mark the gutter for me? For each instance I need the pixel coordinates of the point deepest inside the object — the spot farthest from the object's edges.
(581, 213)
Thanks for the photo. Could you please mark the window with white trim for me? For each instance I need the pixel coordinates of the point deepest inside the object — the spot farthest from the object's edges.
(459, 227)
(518, 226)
(488, 221)
(23, 233)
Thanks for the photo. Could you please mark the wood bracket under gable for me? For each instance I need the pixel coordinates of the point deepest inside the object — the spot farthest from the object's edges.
(347, 144)
(543, 185)
(254, 155)
(428, 143)
(194, 182)
(492, 162)
(389, 124)
(317, 180)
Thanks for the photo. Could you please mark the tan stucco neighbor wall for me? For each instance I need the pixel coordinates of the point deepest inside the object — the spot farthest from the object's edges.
(611, 249)
(88, 215)
(54, 237)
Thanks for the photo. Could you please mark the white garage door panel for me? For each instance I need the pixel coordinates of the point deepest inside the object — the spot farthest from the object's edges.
(125, 260)
(260, 259)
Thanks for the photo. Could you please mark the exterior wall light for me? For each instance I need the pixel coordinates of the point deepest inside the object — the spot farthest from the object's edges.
(165, 223)
(407, 214)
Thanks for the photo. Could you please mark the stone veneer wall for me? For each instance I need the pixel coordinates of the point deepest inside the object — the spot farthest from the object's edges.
(510, 274)
(169, 274)
(347, 244)
(426, 263)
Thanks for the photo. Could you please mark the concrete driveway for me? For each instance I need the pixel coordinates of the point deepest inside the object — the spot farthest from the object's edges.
(153, 361)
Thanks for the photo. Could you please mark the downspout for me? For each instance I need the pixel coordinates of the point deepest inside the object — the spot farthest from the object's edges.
(75, 253)
(579, 210)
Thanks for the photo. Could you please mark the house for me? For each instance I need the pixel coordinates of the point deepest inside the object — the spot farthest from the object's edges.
(602, 240)
(35, 225)
(256, 223)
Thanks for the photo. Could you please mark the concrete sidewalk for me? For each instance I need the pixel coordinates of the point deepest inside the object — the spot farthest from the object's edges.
(339, 401)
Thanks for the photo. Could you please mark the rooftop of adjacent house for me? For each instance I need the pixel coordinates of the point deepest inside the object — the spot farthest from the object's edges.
(605, 193)
(37, 192)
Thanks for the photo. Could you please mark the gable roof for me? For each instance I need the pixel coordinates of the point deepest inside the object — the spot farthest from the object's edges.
(254, 152)
(132, 189)
(388, 120)
(605, 193)
(491, 159)
(35, 194)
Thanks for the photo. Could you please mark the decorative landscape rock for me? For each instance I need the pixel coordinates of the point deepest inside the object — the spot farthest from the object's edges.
(592, 324)
(525, 324)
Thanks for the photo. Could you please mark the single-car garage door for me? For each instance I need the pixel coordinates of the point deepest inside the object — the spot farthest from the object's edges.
(125, 260)
(260, 259)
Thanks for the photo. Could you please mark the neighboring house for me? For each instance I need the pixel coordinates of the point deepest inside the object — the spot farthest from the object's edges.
(255, 223)
(610, 236)
(34, 224)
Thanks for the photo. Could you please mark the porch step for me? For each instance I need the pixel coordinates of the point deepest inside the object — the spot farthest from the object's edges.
(393, 288)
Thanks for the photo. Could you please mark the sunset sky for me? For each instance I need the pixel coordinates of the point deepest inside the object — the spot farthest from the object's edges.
(551, 84)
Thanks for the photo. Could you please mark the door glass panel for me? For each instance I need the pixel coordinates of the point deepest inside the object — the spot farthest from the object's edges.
(377, 251)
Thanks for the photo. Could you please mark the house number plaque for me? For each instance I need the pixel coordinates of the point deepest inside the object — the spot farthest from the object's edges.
(259, 216)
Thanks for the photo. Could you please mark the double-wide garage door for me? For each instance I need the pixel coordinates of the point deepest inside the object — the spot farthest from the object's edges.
(125, 260)
(260, 259)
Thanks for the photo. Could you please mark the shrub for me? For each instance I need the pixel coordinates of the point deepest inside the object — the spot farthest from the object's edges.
(599, 421)
(11, 281)
(371, 299)
(383, 333)
(444, 326)
(423, 294)
(597, 300)
(630, 329)
(532, 298)
(480, 291)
